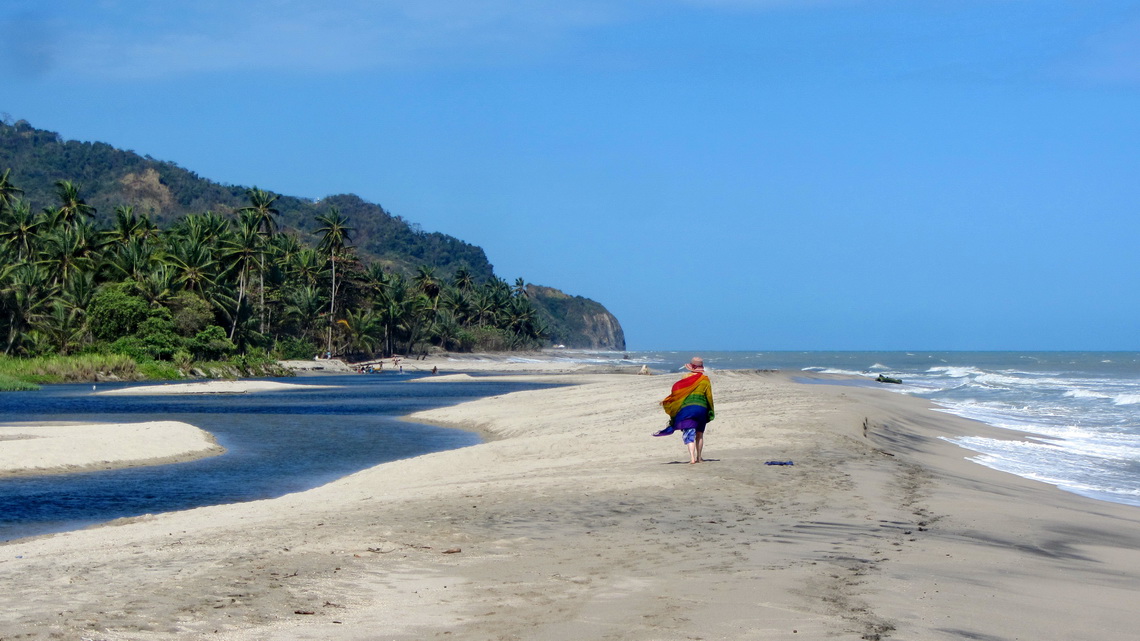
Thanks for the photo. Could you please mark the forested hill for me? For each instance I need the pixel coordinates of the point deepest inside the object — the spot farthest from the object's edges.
(82, 219)
(108, 177)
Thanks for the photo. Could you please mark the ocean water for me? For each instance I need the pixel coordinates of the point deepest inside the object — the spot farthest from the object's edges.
(1077, 413)
(277, 442)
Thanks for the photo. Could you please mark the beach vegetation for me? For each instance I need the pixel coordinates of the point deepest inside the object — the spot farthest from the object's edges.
(11, 384)
(62, 369)
(216, 288)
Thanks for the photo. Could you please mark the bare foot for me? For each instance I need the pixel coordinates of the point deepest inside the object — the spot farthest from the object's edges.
(693, 462)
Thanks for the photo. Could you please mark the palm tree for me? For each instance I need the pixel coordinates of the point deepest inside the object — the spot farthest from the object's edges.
(419, 320)
(283, 249)
(127, 225)
(305, 268)
(426, 281)
(335, 235)
(262, 211)
(62, 327)
(79, 292)
(463, 280)
(389, 303)
(363, 330)
(72, 207)
(376, 281)
(458, 304)
(159, 284)
(206, 228)
(132, 260)
(261, 206)
(69, 250)
(446, 330)
(485, 305)
(8, 191)
(194, 267)
(243, 252)
(519, 290)
(303, 306)
(26, 293)
(20, 228)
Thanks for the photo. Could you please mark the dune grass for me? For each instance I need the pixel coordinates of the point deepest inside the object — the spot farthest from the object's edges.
(17, 374)
(11, 384)
(69, 369)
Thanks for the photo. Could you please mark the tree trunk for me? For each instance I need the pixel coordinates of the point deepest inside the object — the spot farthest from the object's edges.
(332, 304)
(237, 309)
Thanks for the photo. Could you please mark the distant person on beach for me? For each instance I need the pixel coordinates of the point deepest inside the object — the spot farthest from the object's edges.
(690, 407)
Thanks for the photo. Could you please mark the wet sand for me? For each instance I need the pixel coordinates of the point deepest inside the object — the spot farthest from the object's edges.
(572, 522)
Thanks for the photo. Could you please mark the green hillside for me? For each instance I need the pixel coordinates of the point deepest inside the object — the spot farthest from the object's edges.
(108, 177)
(105, 250)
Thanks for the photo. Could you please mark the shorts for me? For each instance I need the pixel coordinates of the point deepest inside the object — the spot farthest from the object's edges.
(689, 428)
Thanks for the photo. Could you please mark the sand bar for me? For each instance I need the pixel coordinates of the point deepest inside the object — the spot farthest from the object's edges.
(56, 448)
(208, 387)
(574, 523)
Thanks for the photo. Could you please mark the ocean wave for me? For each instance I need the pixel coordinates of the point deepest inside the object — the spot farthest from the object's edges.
(1002, 380)
(1085, 393)
(1054, 463)
(955, 371)
(1023, 418)
(832, 370)
(1125, 398)
(1069, 441)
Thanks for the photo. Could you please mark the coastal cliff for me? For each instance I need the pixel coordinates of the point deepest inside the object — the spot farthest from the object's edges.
(575, 321)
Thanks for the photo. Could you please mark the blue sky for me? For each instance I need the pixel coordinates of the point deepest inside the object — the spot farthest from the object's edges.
(721, 174)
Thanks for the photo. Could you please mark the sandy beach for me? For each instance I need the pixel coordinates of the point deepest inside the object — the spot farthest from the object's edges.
(55, 448)
(572, 522)
(207, 387)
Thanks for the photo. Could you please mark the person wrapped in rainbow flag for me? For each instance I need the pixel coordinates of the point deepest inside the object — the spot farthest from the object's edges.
(690, 407)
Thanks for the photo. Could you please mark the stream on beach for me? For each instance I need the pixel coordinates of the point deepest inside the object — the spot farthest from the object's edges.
(277, 443)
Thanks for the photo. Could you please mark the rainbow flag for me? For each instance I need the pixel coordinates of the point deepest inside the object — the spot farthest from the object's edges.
(691, 391)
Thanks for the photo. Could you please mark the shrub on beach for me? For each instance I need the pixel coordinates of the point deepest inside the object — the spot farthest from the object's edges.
(485, 339)
(114, 312)
(211, 344)
(159, 370)
(293, 348)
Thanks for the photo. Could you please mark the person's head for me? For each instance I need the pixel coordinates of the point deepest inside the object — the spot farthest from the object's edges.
(697, 364)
